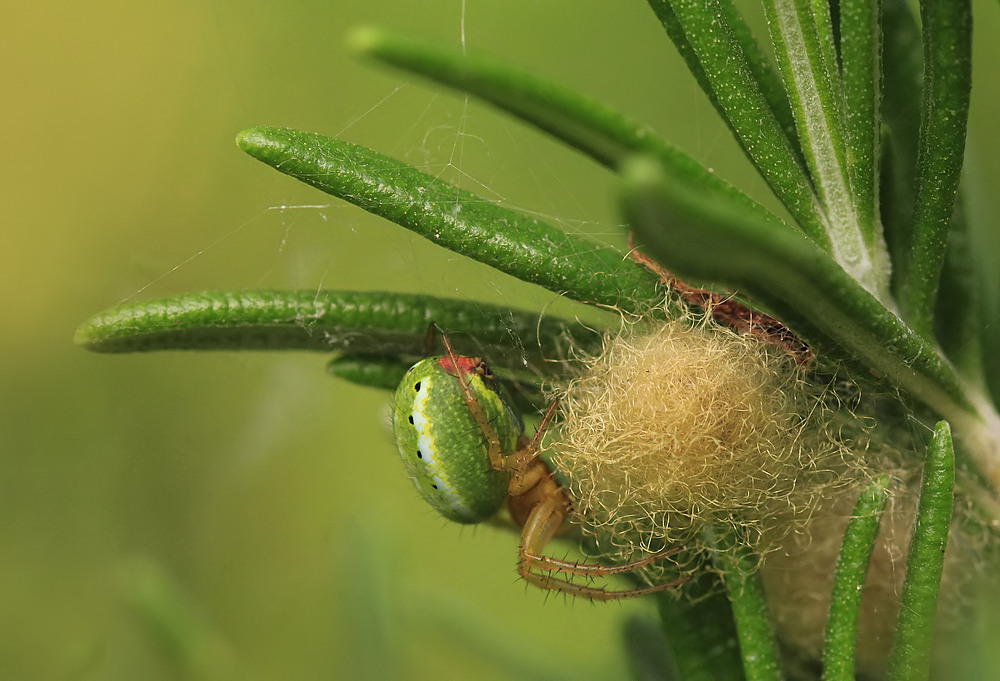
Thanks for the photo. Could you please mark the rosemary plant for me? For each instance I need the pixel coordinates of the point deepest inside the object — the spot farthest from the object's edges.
(855, 116)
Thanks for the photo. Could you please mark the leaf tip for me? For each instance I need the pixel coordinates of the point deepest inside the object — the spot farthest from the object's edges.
(84, 335)
(250, 139)
(641, 172)
(96, 333)
(262, 142)
(942, 431)
(365, 39)
(642, 180)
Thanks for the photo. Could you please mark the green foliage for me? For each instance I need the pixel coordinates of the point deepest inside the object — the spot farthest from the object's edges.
(849, 581)
(348, 321)
(758, 647)
(456, 219)
(947, 30)
(855, 272)
(914, 633)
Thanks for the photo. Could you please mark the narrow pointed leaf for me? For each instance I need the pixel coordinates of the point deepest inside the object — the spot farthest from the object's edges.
(605, 135)
(947, 33)
(602, 133)
(849, 580)
(372, 322)
(804, 51)
(861, 69)
(787, 273)
(918, 606)
(758, 646)
(596, 130)
(724, 66)
(764, 73)
(521, 246)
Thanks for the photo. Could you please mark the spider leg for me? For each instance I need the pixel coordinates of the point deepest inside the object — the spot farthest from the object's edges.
(542, 523)
(594, 569)
(476, 410)
(519, 463)
(594, 593)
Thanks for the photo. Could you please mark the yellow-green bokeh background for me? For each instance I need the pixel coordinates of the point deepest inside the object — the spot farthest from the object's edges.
(263, 492)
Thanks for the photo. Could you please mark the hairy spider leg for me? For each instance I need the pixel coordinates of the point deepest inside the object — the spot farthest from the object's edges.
(728, 311)
(542, 506)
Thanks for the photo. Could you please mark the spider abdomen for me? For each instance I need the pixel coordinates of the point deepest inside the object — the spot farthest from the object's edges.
(443, 447)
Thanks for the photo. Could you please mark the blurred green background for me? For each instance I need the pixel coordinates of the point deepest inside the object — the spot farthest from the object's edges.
(247, 499)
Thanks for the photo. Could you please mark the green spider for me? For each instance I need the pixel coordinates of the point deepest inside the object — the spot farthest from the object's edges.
(463, 443)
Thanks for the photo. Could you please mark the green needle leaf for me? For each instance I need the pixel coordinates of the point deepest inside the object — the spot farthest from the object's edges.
(348, 321)
(790, 275)
(602, 133)
(521, 246)
(861, 71)
(764, 73)
(702, 28)
(758, 647)
(596, 130)
(849, 581)
(947, 31)
(757, 644)
(918, 606)
(804, 49)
